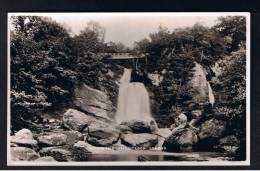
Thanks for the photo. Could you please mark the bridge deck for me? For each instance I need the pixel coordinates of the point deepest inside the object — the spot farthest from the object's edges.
(120, 56)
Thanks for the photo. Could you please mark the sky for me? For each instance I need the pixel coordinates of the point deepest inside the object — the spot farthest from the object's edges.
(130, 27)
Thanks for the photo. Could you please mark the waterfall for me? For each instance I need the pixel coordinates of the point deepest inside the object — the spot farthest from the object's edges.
(133, 100)
(211, 95)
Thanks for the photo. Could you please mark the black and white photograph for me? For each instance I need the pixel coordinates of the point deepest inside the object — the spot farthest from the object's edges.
(114, 88)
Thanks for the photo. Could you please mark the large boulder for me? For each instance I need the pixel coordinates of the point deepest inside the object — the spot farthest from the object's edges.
(23, 154)
(94, 102)
(138, 126)
(52, 139)
(209, 134)
(140, 141)
(212, 128)
(102, 134)
(182, 139)
(76, 120)
(57, 153)
(24, 138)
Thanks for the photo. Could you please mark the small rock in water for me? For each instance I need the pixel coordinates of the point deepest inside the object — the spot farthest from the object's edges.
(23, 154)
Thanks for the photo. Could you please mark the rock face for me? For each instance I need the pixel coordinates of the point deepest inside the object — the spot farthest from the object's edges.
(138, 126)
(199, 85)
(76, 120)
(94, 102)
(24, 138)
(182, 139)
(23, 154)
(57, 153)
(102, 134)
(212, 128)
(53, 139)
(140, 141)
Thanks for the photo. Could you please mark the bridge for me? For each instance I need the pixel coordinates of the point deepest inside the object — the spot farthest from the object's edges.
(118, 56)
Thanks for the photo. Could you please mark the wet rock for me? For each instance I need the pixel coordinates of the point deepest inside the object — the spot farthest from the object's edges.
(76, 120)
(140, 141)
(212, 128)
(94, 102)
(45, 159)
(52, 139)
(57, 153)
(182, 139)
(138, 126)
(23, 154)
(101, 134)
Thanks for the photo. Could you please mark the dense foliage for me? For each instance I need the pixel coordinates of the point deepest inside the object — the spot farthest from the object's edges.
(41, 67)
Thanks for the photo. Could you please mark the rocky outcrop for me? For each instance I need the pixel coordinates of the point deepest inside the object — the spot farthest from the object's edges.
(102, 134)
(76, 120)
(140, 141)
(52, 139)
(182, 139)
(23, 154)
(57, 153)
(93, 102)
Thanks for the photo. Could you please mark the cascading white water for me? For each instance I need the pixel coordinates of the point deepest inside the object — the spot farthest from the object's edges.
(211, 95)
(133, 100)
